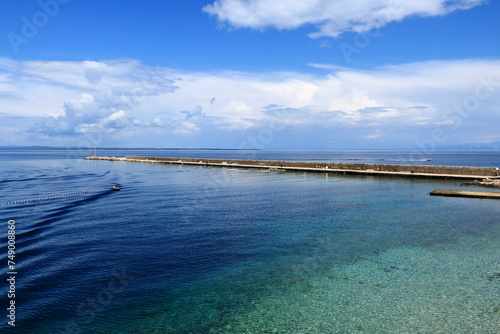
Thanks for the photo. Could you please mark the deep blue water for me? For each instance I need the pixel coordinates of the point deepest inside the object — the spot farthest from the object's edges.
(244, 252)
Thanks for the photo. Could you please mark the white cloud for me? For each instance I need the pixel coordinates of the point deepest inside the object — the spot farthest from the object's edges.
(155, 123)
(404, 100)
(117, 120)
(195, 112)
(78, 97)
(128, 78)
(332, 17)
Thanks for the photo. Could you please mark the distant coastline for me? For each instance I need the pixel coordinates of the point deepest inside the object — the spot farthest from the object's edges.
(121, 148)
(451, 149)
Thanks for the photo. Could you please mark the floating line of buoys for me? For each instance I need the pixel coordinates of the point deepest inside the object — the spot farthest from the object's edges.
(100, 190)
(43, 198)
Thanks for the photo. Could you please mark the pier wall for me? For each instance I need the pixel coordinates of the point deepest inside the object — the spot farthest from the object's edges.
(417, 169)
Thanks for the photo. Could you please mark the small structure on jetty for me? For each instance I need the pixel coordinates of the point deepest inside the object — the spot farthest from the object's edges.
(425, 171)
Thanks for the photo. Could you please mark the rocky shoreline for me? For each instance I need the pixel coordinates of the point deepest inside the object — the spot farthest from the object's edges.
(488, 183)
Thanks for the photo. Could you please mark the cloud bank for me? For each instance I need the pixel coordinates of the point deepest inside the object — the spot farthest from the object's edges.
(331, 17)
(124, 103)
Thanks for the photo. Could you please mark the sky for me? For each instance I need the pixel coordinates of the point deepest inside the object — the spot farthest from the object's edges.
(251, 74)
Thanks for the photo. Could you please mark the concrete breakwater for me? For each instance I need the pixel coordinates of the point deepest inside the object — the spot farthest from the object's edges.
(467, 194)
(327, 167)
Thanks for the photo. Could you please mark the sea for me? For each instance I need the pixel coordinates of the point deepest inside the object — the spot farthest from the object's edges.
(193, 249)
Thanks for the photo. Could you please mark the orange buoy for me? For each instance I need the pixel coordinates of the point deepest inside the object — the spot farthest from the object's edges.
(193, 181)
(85, 191)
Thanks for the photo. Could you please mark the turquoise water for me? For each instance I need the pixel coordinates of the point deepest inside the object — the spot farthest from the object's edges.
(397, 262)
(240, 251)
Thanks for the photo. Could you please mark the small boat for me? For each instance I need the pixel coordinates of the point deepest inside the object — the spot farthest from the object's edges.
(115, 188)
(426, 159)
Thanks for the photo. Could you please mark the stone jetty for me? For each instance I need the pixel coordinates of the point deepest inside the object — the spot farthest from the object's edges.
(424, 171)
(467, 194)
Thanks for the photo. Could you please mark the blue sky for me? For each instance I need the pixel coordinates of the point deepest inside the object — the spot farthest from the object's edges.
(267, 74)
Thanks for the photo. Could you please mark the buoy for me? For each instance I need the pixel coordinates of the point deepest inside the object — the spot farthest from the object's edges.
(115, 188)
(193, 181)
(85, 191)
